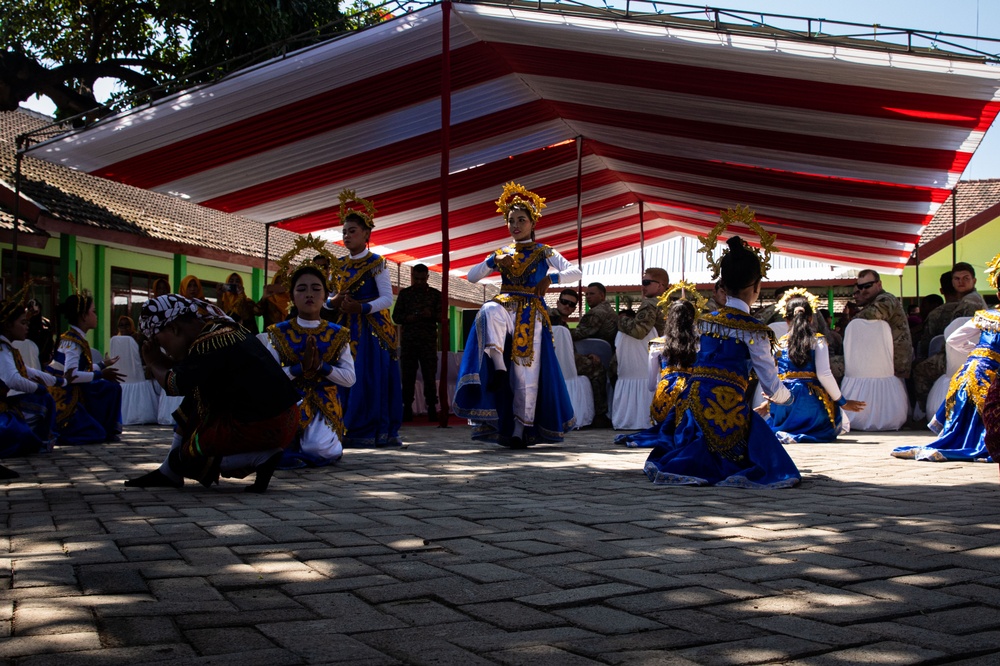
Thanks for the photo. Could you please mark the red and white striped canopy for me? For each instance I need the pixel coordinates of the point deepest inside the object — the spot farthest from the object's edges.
(845, 153)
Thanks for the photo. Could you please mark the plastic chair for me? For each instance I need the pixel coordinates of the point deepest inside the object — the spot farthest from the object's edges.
(140, 398)
(581, 394)
(29, 353)
(598, 347)
(936, 345)
(953, 362)
(454, 363)
(869, 376)
(632, 398)
(780, 328)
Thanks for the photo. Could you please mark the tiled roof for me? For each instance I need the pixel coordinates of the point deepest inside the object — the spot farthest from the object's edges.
(973, 197)
(103, 204)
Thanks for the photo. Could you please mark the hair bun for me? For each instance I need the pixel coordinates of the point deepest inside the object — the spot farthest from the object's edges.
(799, 310)
(735, 244)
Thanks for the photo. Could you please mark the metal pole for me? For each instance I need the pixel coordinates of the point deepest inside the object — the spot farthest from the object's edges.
(19, 156)
(445, 239)
(579, 214)
(954, 215)
(267, 249)
(642, 241)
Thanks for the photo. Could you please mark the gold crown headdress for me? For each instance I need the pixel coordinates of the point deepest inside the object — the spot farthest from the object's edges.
(15, 302)
(685, 290)
(351, 203)
(81, 295)
(290, 262)
(513, 194)
(993, 271)
(741, 215)
(782, 306)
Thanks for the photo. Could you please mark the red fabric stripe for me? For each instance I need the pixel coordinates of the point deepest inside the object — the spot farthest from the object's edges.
(806, 144)
(406, 85)
(427, 192)
(724, 84)
(793, 180)
(383, 157)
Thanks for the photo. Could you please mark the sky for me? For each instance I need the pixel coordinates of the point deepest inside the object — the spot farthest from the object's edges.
(966, 17)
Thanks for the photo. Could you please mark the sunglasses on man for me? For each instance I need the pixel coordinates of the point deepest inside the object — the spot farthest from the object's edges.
(568, 303)
(861, 286)
(646, 283)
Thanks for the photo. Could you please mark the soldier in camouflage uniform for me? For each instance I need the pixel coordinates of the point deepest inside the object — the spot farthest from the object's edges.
(961, 300)
(655, 281)
(417, 310)
(878, 304)
(600, 321)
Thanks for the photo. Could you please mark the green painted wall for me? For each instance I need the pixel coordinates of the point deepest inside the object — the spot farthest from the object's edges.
(977, 248)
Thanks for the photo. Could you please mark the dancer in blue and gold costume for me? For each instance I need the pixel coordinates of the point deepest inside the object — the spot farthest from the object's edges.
(89, 408)
(670, 360)
(374, 407)
(510, 385)
(27, 411)
(715, 438)
(316, 355)
(804, 367)
(959, 421)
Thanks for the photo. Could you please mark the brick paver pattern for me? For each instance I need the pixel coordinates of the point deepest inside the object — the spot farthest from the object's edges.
(453, 552)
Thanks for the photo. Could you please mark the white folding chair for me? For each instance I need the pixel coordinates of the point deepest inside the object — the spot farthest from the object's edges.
(869, 376)
(29, 353)
(632, 397)
(581, 394)
(139, 395)
(953, 362)
(779, 328)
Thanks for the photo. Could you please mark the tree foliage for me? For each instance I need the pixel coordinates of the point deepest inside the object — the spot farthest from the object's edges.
(60, 48)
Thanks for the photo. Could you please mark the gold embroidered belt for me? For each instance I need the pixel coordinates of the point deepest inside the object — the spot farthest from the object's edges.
(720, 375)
(797, 375)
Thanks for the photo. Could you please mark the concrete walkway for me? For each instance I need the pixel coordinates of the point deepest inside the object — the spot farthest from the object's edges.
(449, 552)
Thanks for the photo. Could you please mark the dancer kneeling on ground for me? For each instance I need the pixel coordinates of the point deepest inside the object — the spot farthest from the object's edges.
(89, 406)
(959, 422)
(670, 361)
(27, 411)
(526, 401)
(715, 438)
(239, 410)
(804, 367)
(316, 355)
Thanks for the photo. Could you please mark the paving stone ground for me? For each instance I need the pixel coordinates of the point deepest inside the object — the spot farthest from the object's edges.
(451, 552)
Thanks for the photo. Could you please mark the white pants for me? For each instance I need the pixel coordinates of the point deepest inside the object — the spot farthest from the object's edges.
(499, 323)
(319, 439)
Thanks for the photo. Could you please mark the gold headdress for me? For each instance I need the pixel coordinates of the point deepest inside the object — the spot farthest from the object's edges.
(742, 215)
(514, 193)
(15, 302)
(795, 293)
(685, 290)
(291, 262)
(81, 296)
(993, 271)
(350, 203)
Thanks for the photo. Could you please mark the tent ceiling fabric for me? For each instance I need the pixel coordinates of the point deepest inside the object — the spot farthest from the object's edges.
(844, 153)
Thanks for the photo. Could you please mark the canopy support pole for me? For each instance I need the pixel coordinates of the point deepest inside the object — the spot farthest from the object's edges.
(267, 249)
(954, 215)
(642, 240)
(579, 214)
(445, 408)
(15, 284)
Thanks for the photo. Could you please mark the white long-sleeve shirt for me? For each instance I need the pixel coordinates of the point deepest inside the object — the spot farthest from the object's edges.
(965, 338)
(763, 363)
(71, 352)
(17, 383)
(823, 373)
(560, 271)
